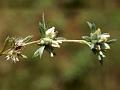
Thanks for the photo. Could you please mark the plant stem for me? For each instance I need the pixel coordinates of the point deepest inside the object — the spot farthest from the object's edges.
(33, 42)
(71, 41)
(76, 41)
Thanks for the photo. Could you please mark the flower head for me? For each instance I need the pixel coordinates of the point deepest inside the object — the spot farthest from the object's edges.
(14, 55)
(51, 33)
(19, 43)
(49, 40)
(15, 48)
(98, 42)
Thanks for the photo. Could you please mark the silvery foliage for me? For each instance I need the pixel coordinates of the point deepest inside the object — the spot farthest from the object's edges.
(97, 41)
(48, 41)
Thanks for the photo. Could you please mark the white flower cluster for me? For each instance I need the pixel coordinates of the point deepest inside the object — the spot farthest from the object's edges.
(98, 42)
(52, 34)
(15, 49)
(49, 42)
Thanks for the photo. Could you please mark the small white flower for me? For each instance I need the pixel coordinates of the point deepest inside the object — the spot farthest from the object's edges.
(55, 44)
(12, 55)
(103, 37)
(7, 57)
(19, 42)
(98, 47)
(50, 33)
(49, 40)
(14, 58)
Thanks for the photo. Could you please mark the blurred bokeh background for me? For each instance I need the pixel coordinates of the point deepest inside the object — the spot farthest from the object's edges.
(74, 67)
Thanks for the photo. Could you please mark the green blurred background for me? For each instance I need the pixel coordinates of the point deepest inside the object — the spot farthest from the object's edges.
(75, 67)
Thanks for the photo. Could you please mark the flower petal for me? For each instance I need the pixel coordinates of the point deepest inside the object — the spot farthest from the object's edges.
(104, 37)
(106, 46)
(50, 31)
(51, 54)
(24, 56)
(55, 44)
(101, 53)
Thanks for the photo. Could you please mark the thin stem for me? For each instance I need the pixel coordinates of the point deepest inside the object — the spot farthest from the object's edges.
(71, 41)
(76, 41)
(33, 42)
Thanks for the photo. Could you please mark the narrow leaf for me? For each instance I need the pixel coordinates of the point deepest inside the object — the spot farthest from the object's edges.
(42, 26)
(24, 56)
(43, 21)
(92, 27)
(39, 52)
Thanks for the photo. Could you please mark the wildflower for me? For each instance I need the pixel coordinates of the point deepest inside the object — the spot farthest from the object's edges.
(15, 48)
(51, 33)
(14, 55)
(48, 41)
(98, 42)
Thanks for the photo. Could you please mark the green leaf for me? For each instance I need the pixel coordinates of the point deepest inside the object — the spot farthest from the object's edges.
(43, 20)
(39, 52)
(42, 27)
(92, 26)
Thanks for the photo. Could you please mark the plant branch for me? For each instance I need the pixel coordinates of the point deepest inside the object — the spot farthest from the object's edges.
(76, 41)
(71, 41)
(33, 42)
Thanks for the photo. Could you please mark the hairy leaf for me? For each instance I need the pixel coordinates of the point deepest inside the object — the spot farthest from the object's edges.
(92, 26)
(42, 27)
(39, 52)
